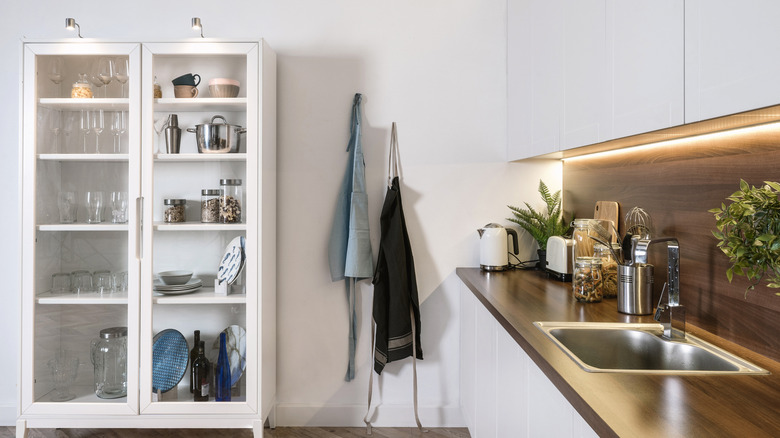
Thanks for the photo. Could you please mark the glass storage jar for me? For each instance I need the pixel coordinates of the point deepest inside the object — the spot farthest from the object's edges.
(174, 211)
(209, 205)
(81, 88)
(608, 270)
(109, 357)
(587, 281)
(230, 198)
(582, 244)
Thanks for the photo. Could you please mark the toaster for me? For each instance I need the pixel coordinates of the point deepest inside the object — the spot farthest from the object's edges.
(559, 263)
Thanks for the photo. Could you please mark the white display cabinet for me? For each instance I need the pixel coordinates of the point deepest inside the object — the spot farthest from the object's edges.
(58, 156)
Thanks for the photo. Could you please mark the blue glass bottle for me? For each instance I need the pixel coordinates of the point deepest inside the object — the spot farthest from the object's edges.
(222, 379)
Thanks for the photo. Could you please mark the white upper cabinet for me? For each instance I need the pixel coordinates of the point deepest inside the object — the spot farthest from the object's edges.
(731, 62)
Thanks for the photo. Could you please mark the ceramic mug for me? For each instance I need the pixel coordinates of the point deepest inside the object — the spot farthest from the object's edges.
(185, 91)
(187, 79)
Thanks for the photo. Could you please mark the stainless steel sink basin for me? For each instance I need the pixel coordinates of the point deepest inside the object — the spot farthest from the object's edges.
(639, 348)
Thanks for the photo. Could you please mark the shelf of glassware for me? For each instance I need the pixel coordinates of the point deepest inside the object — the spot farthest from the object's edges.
(85, 157)
(71, 104)
(81, 298)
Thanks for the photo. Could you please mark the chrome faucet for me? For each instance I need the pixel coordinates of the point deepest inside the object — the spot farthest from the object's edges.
(671, 314)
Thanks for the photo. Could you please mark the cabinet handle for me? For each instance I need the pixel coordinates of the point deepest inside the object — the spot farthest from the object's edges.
(139, 241)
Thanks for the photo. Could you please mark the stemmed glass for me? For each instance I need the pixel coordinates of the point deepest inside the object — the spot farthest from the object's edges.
(118, 127)
(105, 72)
(96, 124)
(55, 74)
(55, 127)
(85, 124)
(120, 72)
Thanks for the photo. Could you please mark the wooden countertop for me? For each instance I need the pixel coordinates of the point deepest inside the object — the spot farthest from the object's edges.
(629, 405)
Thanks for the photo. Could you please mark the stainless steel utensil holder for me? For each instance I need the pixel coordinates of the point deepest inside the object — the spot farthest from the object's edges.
(635, 289)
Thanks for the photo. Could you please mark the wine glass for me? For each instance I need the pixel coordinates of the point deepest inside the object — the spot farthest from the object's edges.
(96, 124)
(85, 124)
(63, 368)
(105, 72)
(118, 127)
(55, 127)
(55, 74)
(120, 72)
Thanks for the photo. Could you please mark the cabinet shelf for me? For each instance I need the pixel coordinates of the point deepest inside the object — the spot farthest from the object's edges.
(201, 104)
(84, 157)
(241, 156)
(198, 226)
(69, 104)
(84, 394)
(84, 298)
(83, 227)
(205, 295)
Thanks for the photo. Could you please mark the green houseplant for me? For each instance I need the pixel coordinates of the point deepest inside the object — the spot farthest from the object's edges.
(542, 225)
(748, 232)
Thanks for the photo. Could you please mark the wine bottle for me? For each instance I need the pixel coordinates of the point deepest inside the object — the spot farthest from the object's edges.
(222, 380)
(200, 370)
(193, 355)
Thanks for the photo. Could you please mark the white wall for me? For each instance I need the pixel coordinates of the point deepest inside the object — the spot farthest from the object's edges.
(436, 67)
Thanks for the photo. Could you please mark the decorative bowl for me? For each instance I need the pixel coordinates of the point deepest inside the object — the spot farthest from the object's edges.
(175, 277)
(223, 87)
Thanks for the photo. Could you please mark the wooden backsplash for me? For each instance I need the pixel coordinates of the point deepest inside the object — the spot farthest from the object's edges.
(677, 183)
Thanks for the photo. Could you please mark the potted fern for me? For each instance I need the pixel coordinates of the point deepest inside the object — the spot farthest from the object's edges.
(542, 225)
(749, 233)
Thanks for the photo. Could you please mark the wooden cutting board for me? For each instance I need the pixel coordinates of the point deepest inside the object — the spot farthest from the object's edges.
(608, 210)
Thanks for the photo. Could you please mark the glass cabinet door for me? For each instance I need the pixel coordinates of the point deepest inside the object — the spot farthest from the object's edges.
(202, 207)
(80, 227)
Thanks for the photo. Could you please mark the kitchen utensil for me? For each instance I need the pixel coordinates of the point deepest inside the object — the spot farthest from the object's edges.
(217, 138)
(493, 247)
(639, 222)
(223, 87)
(175, 277)
(187, 79)
(109, 357)
(172, 134)
(607, 210)
(170, 356)
(233, 261)
(185, 91)
(607, 245)
(635, 289)
(236, 349)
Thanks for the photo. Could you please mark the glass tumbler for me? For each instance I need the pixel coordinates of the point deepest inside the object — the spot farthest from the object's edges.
(120, 281)
(118, 207)
(94, 207)
(66, 202)
(103, 282)
(60, 283)
(81, 281)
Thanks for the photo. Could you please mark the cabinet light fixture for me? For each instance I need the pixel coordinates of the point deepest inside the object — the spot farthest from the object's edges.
(70, 24)
(197, 26)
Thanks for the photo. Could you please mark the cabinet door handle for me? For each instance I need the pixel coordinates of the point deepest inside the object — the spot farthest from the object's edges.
(139, 241)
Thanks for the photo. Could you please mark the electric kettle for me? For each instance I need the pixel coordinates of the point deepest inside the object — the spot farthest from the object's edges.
(493, 248)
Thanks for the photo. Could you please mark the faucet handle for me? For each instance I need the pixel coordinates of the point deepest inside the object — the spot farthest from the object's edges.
(659, 309)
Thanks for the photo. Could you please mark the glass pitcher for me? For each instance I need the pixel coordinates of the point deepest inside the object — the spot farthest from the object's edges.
(109, 357)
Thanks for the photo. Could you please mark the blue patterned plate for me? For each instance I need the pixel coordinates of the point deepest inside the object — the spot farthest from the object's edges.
(233, 261)
(170, 355)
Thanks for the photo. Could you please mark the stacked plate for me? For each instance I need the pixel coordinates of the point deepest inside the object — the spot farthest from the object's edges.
(175, 289)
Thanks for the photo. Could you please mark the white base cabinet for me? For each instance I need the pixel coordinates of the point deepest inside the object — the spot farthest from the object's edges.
(502, 392)
(62, 152)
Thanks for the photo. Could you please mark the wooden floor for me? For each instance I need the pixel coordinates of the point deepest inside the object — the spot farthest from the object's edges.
(285, 432)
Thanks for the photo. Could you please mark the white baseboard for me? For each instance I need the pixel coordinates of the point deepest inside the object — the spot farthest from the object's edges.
(296, 415)
(7, 414)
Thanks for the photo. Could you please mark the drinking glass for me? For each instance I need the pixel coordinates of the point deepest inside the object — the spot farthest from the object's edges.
(118, 207)
(66, 202)
(103, 282)
(120, 281)
(60, 283)
(64, 369)
(55, 74)
(81, 281)
(96, 125)
(84, 126)
(55, 127)
(118, 127)
(120, 72)
(105, 72)
(94, 207)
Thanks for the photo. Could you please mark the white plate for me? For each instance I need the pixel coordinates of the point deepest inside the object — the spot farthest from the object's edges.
(178, 292)
(194, 283)
(233, 261)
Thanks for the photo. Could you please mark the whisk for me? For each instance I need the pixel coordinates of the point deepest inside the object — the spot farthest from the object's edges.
(639, 223)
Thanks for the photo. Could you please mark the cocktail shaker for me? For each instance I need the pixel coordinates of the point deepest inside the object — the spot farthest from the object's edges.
(172, 135)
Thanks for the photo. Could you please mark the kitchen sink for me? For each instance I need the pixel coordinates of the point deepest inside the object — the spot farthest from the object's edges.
(639, 348)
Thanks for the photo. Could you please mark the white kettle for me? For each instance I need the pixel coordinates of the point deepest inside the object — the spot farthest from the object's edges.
(493, 247)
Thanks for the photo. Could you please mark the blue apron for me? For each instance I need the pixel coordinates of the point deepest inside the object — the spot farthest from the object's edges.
(349, 248)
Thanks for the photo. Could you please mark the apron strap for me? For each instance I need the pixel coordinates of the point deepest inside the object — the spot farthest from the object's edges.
(392, 162)
(370, 377)
(351, 286)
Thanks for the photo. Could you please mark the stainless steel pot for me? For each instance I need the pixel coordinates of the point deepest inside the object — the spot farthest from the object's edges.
(218, 138)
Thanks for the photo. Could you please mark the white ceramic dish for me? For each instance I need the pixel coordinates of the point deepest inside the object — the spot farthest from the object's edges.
(233, 261)
(172, 278)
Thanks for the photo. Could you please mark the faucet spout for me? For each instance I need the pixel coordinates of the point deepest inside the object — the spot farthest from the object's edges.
(671, 314)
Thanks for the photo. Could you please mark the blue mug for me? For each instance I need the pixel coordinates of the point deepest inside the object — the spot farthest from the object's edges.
(188, 79)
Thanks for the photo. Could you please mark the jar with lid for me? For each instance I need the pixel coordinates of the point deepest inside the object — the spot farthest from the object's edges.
(174, 211)
(109, 357)
(609, 269)
(157, 89)
(582, 244)
(209, 206)
(230, 198)
(81, 88)
(587, 281)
